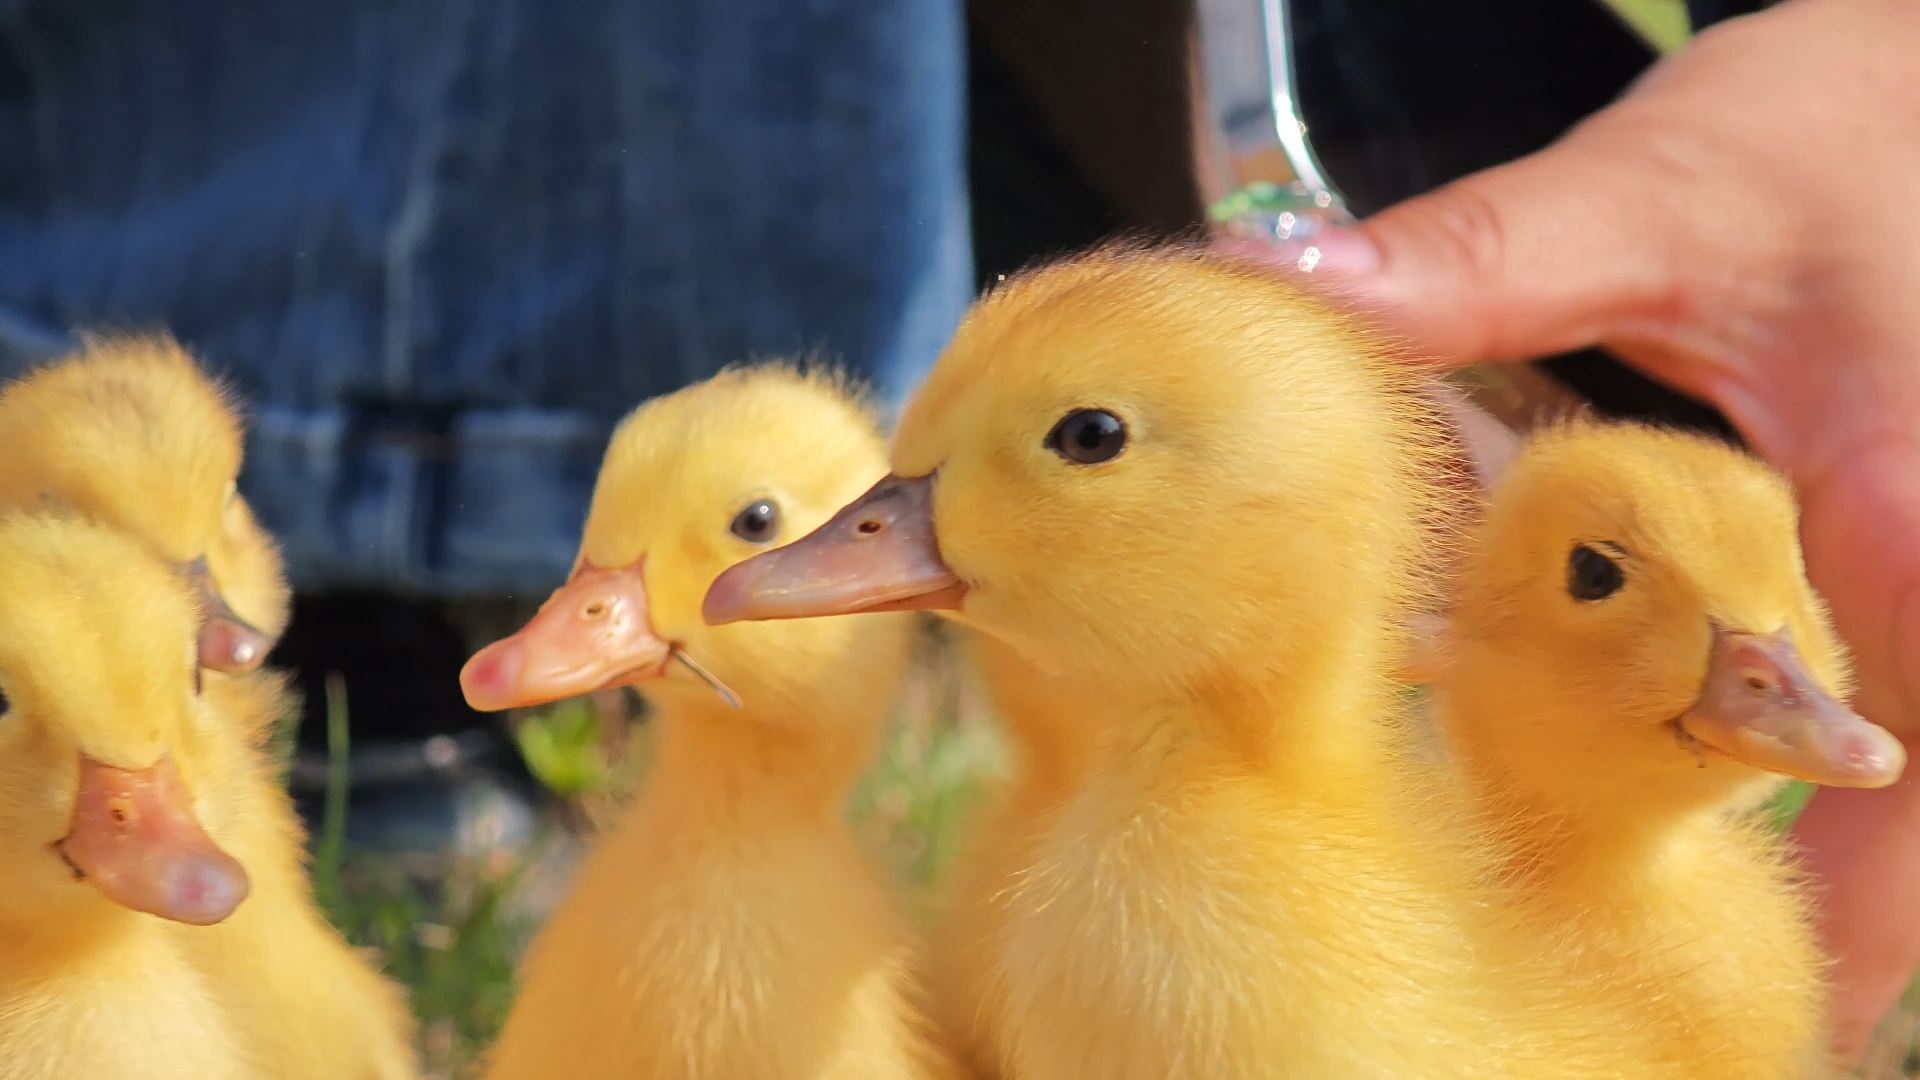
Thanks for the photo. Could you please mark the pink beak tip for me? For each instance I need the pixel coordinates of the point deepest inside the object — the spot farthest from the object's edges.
(488, 677)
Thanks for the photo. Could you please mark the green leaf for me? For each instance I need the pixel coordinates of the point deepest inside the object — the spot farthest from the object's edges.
(1786, 806)
(562, 748)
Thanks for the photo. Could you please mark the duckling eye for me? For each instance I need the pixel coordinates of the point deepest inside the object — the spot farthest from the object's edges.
(1088, 437)
(1591, 575)
(5, 705)
(758, 523)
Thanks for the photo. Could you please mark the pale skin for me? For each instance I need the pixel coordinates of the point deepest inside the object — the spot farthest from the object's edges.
(1740, 225)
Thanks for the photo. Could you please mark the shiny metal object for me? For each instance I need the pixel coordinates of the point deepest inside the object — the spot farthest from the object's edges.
(1258, 166)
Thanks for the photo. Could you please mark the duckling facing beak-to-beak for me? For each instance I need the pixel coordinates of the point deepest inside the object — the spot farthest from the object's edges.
(592, 633)
(228, 642)
(135, 838)
(879, 553)
(1761, 706)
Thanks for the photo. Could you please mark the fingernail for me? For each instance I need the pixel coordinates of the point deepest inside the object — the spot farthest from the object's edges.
(1332, 250)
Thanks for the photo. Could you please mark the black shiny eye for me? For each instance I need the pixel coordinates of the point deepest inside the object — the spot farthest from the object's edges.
(758, 523)
(1591, 575)
(5, 705)
(1088, 437)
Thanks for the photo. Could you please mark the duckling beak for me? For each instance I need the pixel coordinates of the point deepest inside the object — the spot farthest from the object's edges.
(228, 642)
(135, 838)
(1761, 706)
(879, 553)
(592, 633)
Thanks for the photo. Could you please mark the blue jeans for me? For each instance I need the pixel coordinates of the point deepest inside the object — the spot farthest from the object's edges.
(442, 245)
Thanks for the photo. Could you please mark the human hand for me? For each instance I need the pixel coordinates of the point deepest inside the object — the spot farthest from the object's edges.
(1741, 225)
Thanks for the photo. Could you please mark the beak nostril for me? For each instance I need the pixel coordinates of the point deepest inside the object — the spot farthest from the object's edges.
(594, 610)
(1757, 683)
(870, 527)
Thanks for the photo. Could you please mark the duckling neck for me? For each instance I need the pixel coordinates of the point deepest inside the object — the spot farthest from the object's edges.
(1547, 837)
(56, 940)
(739, 763)
(1289, 726)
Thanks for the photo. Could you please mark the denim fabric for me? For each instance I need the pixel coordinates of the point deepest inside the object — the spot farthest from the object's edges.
(442, 245)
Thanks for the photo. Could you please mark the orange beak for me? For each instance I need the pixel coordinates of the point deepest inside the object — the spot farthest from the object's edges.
(135, 838)
(592, 633)
(1761, 706)
(879, 553)
(228, 642)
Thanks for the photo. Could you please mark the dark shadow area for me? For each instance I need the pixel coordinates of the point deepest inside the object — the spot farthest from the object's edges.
(1030, 201)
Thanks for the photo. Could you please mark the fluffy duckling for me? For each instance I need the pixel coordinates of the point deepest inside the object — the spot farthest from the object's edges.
(103, 744)
(131, 433)
(1179, 480)
(309, 1006)
(1053, 748)
(1633, 661)
(731, 925)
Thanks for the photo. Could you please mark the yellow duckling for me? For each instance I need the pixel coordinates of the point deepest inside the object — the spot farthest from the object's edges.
(103, 745)
(730, 926)
(1634, 662)
(1044, 717)
(132, 434)
(1180, 481)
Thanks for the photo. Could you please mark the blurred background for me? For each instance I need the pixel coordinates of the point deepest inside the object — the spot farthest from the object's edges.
(441, 246)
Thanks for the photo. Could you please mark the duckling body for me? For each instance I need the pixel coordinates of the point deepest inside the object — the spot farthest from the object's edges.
(1046, 721)
(727, 928)
(729, 925)
(103, 751)
(1633, 664)
(132, 434)
(309, 1005)
(1255, 879)
(111, 998)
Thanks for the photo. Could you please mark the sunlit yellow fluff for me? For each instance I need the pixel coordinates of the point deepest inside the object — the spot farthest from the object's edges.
(1042, 716)
(96, 656)
(730, 925)
(1619, 838)
(1253, 882)
(132, 433)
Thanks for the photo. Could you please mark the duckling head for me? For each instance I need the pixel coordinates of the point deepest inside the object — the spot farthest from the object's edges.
(1144, 468)
(132, 433)
(1635, 626)
(694, 482)
(102, 731)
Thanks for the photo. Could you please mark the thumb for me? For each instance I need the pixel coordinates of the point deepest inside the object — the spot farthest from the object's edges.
(1552, 252)
(1858, 521)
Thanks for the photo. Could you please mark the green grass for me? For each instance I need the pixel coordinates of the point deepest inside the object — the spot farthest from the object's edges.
(1663, 24)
